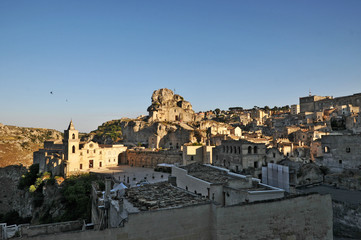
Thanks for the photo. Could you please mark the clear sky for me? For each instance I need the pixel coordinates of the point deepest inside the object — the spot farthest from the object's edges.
(103, 59)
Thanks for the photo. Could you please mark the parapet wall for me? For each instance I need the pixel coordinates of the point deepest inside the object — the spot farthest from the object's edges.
(300, 217)
(46, 229)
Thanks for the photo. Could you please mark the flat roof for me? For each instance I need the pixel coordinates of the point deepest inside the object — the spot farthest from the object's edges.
(160, 196)
(208, 174)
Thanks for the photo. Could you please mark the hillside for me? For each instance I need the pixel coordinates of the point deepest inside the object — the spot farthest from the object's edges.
(17, 144)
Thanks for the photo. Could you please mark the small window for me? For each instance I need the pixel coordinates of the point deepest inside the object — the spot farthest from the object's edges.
(91, 163)
(249, 149)
(340, 161)
(255, 164)
(274, 155)
(255, 149)
(326, 149)
(192, 158)
(87, 151)
(94, 150)
(73, 149)
(73, 136)
(348, 150)
(81, 166)
(100, 164)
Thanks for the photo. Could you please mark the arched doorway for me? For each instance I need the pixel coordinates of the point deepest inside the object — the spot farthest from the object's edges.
(122, 159)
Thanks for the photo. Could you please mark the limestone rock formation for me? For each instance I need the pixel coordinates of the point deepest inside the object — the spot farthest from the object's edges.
(167, 106)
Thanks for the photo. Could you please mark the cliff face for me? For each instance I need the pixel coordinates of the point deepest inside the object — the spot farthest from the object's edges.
(17, 144)
(11, 198)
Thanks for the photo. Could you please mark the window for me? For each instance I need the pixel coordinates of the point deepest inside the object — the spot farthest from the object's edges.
(340, 161)
(73, 136)
(94, 150)
(91, 163)
(192, 158)
(235, 150)
(100, 164)
(73, 149)
(255, 149)
(239, 150)
(87, 151)
(224, 148)
(274, 155)
(348, 150)
(249, 149)
(255, 164)
(326, 149)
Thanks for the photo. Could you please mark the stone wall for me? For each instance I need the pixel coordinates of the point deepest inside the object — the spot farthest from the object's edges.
(305, 217)
(341, 152)
(45, 229)
(301, 217)
(150, 159)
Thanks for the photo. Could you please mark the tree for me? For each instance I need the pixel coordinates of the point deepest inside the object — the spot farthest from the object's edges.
(217, 110)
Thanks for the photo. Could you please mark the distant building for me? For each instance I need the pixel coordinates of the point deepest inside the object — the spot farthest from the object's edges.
(319, 103)
(72, 156)
(295, 109)
(240, 154)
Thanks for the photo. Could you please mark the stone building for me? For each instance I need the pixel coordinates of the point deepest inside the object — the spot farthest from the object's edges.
(319, 103)
(167, 106)
(197, 153)
(341, 152)
(71, 156)
(240, 154)
(221, 186)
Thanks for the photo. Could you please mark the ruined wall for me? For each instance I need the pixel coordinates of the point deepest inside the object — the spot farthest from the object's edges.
(151, 159)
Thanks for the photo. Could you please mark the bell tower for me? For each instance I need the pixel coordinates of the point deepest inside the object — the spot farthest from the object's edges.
(71, 148)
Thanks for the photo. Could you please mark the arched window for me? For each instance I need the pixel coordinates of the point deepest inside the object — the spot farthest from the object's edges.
(239, 150)
(73, 149)
(230, 149)
(255, 149)
(249, 149)
(227, 149)
(235, 150)
(73, 136)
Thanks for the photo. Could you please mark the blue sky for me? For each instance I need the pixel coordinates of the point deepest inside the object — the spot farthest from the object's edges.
(103, 59)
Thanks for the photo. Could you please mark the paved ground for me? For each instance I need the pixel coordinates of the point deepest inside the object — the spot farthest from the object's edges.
(132, 175)
(349, 196)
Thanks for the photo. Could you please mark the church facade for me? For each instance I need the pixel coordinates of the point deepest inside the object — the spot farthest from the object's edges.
(71, 156)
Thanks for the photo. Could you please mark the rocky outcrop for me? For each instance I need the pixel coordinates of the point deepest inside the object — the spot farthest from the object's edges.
(17, 144)
(167, 106)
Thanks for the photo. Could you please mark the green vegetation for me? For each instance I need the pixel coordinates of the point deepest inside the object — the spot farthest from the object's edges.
(110, 129)
(30, 177)
(76, 197)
